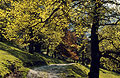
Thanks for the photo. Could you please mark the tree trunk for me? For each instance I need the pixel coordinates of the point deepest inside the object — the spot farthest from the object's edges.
(83, 61)
(31, 47)
(48, 51)
(95, 54)
(55, 54)
(38, 47)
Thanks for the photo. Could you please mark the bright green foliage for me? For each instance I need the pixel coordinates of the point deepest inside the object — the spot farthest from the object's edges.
(35, 20)
(2, 24)
(3, 20)
(43, 21)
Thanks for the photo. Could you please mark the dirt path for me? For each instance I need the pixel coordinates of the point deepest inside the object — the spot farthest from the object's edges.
(49, 71)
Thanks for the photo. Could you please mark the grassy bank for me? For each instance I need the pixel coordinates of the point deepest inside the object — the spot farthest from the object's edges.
(14, 60)
(80, 71)
(9, 64)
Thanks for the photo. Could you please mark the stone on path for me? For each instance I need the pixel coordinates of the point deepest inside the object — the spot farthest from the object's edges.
(49, 71)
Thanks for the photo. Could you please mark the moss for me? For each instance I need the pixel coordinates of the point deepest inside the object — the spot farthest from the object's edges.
(29, 59)
(108, 74)
(79, 71)
(49, 60)
(14, 60)
(75, 71)
(10, 64)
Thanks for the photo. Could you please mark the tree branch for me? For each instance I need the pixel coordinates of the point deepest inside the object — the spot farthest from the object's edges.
(110, 57)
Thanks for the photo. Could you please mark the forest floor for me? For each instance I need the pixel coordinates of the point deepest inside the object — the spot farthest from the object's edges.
(51, 71)
(71, 70)
(14, 60)
(16, 63)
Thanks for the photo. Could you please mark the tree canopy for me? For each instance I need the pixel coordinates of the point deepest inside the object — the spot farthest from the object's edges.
(41, 23)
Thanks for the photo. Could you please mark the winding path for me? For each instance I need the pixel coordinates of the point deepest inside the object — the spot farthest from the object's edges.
(49, 71)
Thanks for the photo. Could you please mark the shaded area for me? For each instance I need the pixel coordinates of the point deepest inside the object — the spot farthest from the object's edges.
(13, 61)
(27, 58)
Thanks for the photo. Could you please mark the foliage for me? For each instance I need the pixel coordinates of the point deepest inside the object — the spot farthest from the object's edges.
(3, 20)
(30, 21)
(109, 47)
(38, 21)
(69, 46)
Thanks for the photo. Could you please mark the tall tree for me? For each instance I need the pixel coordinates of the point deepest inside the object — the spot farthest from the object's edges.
(101, 14)
(36, 16)
(95, 54)
(28, 19)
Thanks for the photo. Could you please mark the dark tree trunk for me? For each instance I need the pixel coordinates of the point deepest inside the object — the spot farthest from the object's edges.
(83, 57)
(31, 50)
(48, 51)
(95, 54)
(55, 54)
(0, 37)
(38, 47)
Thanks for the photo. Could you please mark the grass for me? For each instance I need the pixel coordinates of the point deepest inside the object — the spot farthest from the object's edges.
(14, 60)
(10, 64)
(80, 71)
(108, 74)
(76, 71)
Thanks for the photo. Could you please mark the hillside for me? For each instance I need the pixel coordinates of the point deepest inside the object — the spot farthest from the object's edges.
(17, 63)
(14, 60)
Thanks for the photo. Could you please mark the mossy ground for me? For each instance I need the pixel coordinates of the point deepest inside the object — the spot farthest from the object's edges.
(13, 59)
(71, 70)
(80, 71)
(9, 64)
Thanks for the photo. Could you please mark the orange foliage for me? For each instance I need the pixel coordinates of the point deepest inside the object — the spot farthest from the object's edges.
(69, 48)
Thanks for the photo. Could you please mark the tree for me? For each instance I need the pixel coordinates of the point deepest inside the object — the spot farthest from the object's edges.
(28, 21)
(101, 15)
(40, 15)
(3, 21)
(109, 47)
(68, 47)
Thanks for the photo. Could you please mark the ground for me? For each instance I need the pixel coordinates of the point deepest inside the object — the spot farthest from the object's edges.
(71, 70)
(56, 71)
(15, 63)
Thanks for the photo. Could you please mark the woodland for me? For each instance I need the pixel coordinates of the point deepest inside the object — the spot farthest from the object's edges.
(86, 32)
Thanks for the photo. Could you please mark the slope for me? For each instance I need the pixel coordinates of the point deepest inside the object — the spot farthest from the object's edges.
(14, 60)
